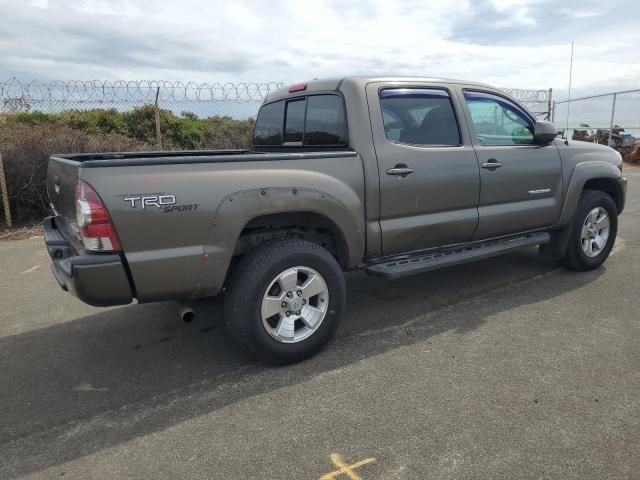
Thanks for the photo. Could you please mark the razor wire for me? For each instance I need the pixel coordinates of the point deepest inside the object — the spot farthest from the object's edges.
(537, 102)
(203, 99)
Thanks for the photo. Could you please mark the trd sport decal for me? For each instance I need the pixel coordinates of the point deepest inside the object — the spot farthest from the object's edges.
(161, 200)
(181, 208)
(151, 201)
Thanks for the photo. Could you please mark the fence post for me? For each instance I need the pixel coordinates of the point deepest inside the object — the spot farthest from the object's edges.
(553, 112)
(613, 111)
(5, 195)
(549, 111)
(158, 133)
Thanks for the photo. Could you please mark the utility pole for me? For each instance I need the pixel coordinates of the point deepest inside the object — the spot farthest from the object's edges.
(158, 133)
(566, 132)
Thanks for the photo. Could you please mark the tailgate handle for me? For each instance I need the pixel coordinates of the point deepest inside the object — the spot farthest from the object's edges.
(56, 184)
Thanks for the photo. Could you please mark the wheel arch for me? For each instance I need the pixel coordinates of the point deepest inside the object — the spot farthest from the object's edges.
(592, 175)
(598, 176)
(258, 208)
(610, 186)
(298, 224)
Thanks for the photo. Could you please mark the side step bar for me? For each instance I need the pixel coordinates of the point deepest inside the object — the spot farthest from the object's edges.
(419, 263)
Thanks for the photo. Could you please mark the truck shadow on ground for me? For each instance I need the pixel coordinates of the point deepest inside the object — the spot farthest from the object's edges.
(81, 386)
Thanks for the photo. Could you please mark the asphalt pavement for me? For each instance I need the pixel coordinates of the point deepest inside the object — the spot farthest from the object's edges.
(506, 368)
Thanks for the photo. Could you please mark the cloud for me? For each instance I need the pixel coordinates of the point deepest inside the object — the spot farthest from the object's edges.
(512, 12)
(513, 43)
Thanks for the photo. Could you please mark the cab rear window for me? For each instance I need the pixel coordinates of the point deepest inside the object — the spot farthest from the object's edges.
(314, 120)
(294, 121)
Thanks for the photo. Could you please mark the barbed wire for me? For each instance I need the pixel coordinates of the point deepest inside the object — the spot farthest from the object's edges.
(55, 96)
(133, 91)
(528, 96)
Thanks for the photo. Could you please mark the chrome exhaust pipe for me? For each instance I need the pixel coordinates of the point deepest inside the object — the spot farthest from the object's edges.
(186, 313)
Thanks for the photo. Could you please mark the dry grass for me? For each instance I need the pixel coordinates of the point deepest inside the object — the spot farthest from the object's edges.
(25, 152)
(20, 233)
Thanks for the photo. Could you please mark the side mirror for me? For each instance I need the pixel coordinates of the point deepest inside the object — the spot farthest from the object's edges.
(544, 133)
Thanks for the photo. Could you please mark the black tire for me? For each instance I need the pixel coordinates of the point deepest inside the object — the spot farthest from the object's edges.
(575, 257)
(248, 284)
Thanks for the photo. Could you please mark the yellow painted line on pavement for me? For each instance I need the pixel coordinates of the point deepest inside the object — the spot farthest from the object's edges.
(348, 470)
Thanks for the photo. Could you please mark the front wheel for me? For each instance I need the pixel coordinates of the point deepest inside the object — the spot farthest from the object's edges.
(593, 232)
(284, 300)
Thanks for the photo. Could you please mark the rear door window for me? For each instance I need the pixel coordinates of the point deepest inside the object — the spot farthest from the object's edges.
(268, 130)
(419, 116)
(326, 124)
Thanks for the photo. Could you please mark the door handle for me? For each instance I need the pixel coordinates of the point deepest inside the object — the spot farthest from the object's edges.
(400, 170)
(491, 164)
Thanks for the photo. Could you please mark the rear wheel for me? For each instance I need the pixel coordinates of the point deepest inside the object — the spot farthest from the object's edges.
(284, 300)
(593, 232)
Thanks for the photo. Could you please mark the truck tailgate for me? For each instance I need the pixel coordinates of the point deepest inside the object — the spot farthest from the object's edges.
(62, 177)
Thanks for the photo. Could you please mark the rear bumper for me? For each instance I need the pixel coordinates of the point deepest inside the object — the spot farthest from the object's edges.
(97, 279)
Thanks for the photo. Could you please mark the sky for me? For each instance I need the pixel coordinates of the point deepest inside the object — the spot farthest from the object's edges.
(507, 43)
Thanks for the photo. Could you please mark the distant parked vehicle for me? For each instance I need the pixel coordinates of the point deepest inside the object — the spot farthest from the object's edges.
(584, 133)
(619, 138)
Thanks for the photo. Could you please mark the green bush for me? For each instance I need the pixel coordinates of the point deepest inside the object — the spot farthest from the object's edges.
(31, 118)
(179, 132)
(224, 132)
(187, 131)
(93, 121)
(27, 139)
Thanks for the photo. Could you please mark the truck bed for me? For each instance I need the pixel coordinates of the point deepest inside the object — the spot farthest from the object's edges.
(183, 249)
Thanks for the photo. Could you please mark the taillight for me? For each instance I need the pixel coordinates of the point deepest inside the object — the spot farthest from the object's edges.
(93, 219)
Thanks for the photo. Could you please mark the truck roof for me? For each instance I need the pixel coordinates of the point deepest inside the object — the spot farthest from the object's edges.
(333, 83)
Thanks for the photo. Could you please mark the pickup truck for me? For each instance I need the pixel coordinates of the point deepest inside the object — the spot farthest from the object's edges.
(394, 176)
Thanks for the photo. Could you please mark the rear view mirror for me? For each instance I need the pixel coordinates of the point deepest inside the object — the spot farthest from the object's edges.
(544, 133)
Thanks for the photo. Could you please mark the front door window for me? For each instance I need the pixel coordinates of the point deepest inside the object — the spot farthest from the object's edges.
(497, 121)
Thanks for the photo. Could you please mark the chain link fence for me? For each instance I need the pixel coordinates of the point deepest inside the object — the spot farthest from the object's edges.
(236, 100)
(610, 118)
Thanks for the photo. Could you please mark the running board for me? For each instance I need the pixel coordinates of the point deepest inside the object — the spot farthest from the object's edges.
(419, 263)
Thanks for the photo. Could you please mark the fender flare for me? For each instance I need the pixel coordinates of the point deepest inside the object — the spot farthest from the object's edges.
(582, 173)
(239, 208)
